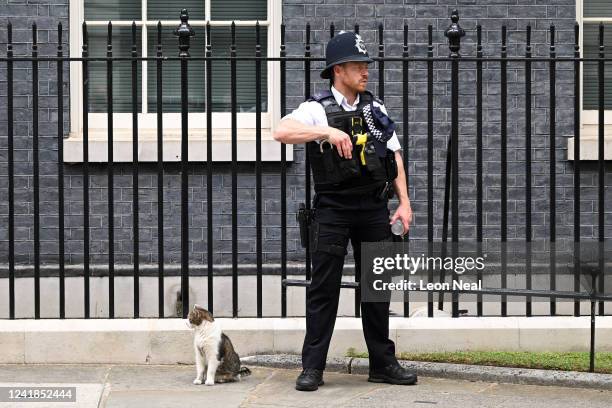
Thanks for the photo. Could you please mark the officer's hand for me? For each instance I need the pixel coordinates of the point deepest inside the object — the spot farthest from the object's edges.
(404, 213)
(342, 141)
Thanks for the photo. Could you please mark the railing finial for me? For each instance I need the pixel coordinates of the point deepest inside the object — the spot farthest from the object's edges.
(184, 33)
(454, 33)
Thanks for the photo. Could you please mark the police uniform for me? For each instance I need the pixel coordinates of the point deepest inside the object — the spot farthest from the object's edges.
(312, 113)
(345, 209)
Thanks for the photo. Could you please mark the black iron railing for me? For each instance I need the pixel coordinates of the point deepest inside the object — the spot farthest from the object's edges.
(184, 32)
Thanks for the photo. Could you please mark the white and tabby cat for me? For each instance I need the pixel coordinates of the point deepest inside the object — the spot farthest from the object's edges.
(213, 349)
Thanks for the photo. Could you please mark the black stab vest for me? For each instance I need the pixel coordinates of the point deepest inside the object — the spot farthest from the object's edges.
(333, 174)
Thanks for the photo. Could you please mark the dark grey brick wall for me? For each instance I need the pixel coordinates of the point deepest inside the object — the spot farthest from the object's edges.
(491, 14)
(47, 15)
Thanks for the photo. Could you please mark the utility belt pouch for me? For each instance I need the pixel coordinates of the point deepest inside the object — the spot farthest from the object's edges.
(304, 219)
(390, 170)
(348, 167)
(337, 169)
(374, 164)
(327, 157)
(390, 165)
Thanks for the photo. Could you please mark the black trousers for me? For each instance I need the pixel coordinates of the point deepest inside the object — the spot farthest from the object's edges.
(336, 220)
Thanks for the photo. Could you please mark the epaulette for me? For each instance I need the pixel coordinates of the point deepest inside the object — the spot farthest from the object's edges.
(320, 96)
(327, 100)
(372, 97)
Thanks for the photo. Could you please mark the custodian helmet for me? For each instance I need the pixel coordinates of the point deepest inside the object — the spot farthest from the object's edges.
(344, 47)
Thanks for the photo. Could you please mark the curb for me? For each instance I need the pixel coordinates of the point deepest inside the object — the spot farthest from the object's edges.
(351, 365)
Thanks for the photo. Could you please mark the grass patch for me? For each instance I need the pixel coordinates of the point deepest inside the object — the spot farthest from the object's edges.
(570, 361)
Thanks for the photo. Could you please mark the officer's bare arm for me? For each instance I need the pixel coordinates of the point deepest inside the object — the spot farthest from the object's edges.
(404, 211)
(291, 131)
(399, 183)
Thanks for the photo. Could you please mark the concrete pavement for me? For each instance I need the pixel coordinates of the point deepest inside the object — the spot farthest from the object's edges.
(171, 386)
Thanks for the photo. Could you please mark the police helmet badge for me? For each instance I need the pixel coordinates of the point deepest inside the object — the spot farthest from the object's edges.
(359, 44)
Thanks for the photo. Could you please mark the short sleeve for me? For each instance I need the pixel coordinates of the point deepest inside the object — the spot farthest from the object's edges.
(308, 113)
(393, 143)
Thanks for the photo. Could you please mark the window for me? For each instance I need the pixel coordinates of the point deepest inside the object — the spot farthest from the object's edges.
(146, 14)
(594, 12)
(589, 13)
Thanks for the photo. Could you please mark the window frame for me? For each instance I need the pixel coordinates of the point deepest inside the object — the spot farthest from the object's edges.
(221, 121)
(589, 126)
(589, 116)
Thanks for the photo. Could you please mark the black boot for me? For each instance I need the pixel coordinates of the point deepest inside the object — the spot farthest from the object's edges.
(309, 379)
(393, 374)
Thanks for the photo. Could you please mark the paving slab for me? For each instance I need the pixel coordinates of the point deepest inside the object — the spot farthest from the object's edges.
(168, 386)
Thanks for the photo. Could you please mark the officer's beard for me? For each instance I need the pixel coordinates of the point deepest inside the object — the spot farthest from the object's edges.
(358, 86)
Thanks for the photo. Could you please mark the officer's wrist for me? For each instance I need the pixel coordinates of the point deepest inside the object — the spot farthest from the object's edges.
(319, 133)
(404, 200)
(324, 137)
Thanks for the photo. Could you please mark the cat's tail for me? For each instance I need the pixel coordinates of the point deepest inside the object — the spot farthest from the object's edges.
(244, 371)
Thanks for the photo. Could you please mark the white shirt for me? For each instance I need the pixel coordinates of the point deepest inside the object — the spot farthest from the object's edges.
(312, 113)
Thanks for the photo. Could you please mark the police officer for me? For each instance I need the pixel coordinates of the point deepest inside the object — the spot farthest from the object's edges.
(354, 177)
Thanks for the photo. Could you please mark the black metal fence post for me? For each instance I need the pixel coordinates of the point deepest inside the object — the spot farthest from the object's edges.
(528, 204)
(283, 174)
(234, 120)
(577, 75)
(60, 170)
(258, 210)
(479, 189)
(184, 33)
(600, 162)
(160, 173)
(85, 66)
(135, 172)
(454, 34)
(306, 159)
(11, 168)
(405, 118)
(504, 166)
(110, 173)
(553, 174)
(209, 170)
(36, 172)
(430, 166)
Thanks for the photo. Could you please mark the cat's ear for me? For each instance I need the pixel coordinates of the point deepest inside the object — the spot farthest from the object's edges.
(208, 316)
(196, 306)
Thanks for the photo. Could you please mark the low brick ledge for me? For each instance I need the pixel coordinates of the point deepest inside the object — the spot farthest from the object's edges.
(169, 341)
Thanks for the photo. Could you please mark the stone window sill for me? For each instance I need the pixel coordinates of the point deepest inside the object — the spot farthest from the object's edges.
(589, 143)
(147, 146)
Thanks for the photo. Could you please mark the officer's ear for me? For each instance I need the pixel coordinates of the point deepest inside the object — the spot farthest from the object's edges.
(337, 67)
(334, 73)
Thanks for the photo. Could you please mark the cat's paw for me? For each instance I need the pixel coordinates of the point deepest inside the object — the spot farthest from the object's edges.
(197, 381)
(210, 382)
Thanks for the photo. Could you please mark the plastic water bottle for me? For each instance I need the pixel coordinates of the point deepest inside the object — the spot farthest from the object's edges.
(397, 228)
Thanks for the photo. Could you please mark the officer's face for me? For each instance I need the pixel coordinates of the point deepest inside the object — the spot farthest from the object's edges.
(353, 75)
